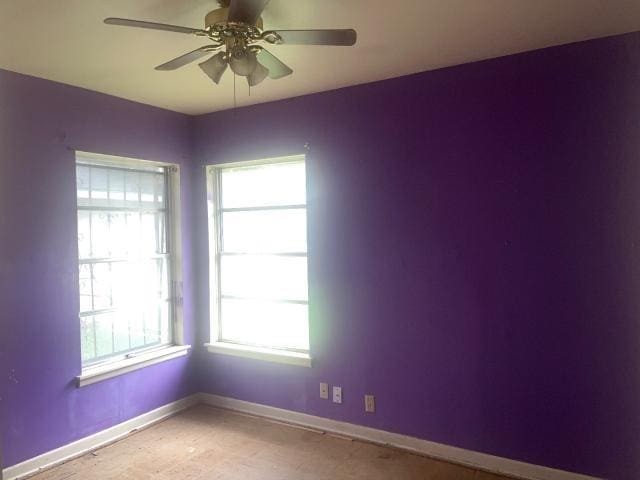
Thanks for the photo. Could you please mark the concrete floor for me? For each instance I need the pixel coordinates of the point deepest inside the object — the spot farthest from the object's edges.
(205, 443)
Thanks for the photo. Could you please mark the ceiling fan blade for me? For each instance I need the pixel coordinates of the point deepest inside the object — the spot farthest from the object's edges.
(246, 11)
(183, 60)
(214, 67)
(258, 75)
(276, 68)
(345, 37)
(124, 22)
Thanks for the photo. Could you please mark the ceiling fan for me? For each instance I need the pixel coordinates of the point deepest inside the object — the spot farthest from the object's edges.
(235, 29)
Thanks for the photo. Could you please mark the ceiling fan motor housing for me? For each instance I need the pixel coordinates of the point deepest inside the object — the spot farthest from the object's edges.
(221, 15)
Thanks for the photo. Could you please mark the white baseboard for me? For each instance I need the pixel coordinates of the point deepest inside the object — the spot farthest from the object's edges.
(100, 439)
(477, 460)
(481, 461)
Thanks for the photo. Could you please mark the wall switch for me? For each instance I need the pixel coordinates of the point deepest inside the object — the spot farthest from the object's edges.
(337, 394)
(324, 391)
(369, 403)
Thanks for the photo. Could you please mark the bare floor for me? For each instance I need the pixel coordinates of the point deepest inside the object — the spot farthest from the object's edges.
(205, 443)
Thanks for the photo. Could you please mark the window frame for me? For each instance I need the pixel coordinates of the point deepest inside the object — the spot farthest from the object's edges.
(216, 343)
(145, 356)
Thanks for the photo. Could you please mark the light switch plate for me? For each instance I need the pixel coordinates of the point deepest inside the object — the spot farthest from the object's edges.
(324, 391)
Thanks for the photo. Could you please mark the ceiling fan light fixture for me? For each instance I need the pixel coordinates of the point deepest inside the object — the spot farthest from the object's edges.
(258, 75)
(215, 67)
(243, 62)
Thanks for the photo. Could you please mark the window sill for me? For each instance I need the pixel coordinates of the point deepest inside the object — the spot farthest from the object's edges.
(266, 354)
(102, 372)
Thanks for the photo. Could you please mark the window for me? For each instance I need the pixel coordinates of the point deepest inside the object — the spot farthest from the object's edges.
(258, 253)
(126, 257)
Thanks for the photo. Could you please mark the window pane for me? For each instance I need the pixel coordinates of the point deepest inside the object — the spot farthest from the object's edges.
(99, 186)
(86, 297)
(101, 276)
(264, 323)
(152, 228)
(136, 327)
(118, 228)
(264, 185)
(133, 234)
(263, 276)
(131, 286)
(100, 234)
(87, 335)
(152, 330)
(103, 234)
(119, 223)
(82, 182)
(104, 334)
(116, 188)
(137, 284)
(147, 188)
(132, 188)
(84, 234)
(270, 231)
(121, 333)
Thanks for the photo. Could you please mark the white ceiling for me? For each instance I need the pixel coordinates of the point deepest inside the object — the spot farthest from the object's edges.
(66, 41)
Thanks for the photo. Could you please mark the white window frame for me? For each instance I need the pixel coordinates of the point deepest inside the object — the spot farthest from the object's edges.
(216, 345)
(177, 348)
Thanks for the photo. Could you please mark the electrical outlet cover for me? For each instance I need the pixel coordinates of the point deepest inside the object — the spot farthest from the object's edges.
(337, 394)
(369, 403)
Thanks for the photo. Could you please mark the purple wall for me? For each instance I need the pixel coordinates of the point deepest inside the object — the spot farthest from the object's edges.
(474, 254)
(40, 406)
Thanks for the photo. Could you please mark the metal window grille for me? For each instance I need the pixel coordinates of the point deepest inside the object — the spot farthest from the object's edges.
(124, 260)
